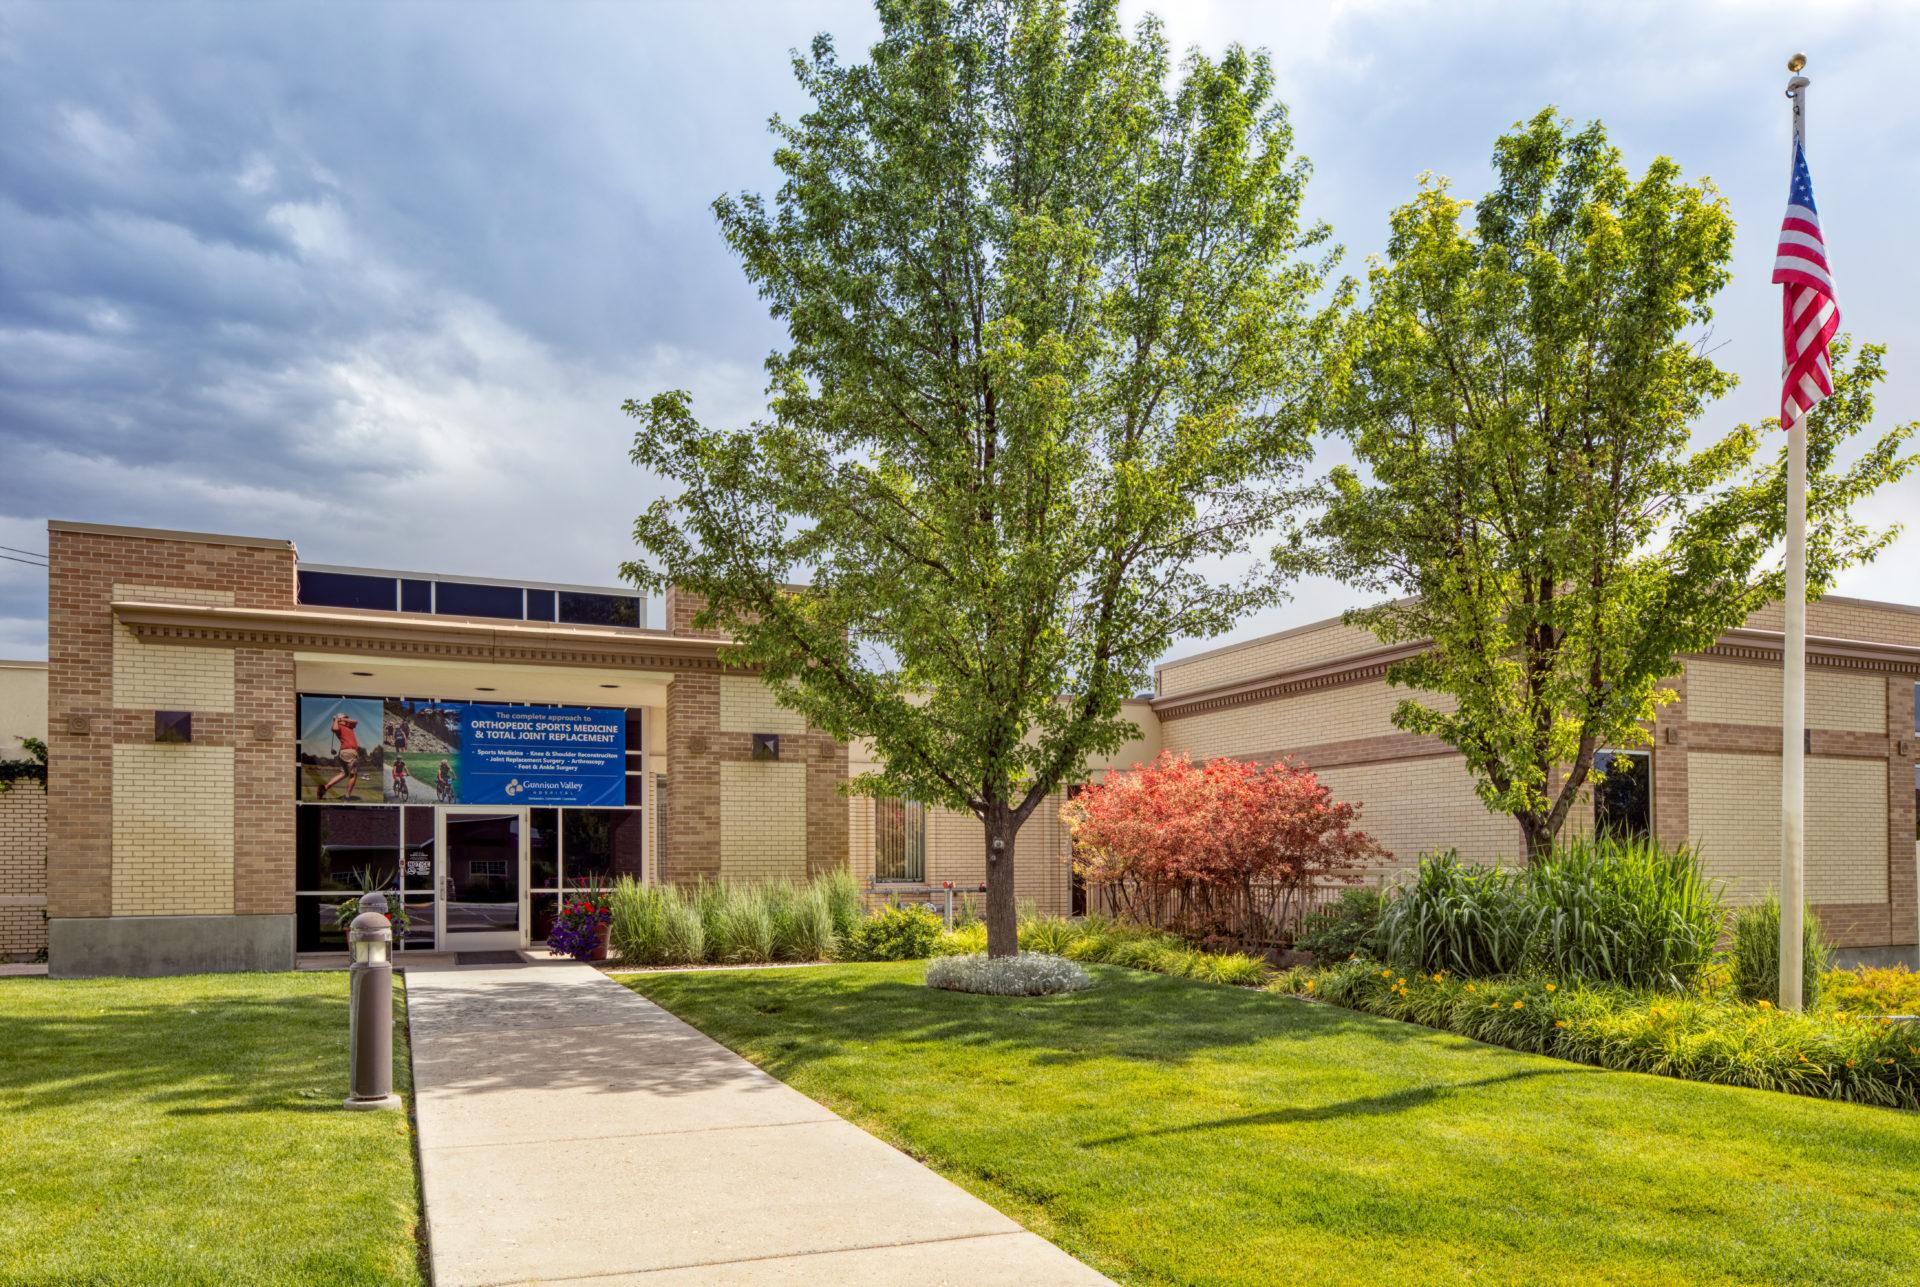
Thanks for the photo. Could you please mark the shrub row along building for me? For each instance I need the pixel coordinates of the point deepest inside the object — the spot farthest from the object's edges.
(238, 740)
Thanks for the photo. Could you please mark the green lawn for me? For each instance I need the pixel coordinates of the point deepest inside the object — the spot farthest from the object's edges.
(189, 1130)
(1168, 1131)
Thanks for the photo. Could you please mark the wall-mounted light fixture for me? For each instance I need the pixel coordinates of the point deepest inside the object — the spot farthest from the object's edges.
(766, 746)
(173, 726)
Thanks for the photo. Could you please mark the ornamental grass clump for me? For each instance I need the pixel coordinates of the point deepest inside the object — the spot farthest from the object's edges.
(1608, 910)
(1624, 911)
(1458, 918)
(1029, 974)
(1754, 960)
(1893, 991)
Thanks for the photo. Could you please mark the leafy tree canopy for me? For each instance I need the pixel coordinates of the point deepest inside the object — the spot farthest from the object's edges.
(1051, 325)
(1518, 390)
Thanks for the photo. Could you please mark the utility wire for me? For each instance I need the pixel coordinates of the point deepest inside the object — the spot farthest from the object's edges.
(38, 554)
(29, 562)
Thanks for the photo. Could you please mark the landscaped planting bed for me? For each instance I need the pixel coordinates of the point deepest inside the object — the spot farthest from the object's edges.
(1169, 1131)
(189, 1130)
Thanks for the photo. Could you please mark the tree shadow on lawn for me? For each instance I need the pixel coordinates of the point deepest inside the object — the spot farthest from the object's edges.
(209, 1054)
(1398, 1101)
(797, 1018)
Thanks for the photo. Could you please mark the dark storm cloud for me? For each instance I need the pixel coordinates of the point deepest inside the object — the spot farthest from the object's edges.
(376, 277)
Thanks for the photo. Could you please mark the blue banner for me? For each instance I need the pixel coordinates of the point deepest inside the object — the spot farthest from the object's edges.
(543, 755)
(418, 752)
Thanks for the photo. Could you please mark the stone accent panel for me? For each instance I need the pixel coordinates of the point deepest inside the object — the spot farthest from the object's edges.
(173, 814)
(23, 871)
(763, 820)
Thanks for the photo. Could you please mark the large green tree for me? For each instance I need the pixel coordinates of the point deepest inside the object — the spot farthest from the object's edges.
(1518, 390)
(1051, 325)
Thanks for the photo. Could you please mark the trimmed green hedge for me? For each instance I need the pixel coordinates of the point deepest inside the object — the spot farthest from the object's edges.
(1825, 1054)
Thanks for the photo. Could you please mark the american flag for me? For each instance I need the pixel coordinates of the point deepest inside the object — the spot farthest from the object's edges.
(1809, 313)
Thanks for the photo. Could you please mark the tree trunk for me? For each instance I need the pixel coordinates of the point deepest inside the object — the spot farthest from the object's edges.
(1535, 839)
(1003, 917)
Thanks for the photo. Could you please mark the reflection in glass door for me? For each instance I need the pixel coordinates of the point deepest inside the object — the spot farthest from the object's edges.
(482, 854)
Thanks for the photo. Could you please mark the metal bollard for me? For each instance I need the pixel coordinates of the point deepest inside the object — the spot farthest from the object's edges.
(370, 1008)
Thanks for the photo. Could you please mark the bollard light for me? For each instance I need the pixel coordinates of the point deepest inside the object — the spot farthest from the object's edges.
(370, 1007)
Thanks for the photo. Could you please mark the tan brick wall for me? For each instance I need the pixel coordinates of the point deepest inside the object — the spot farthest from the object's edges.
(1728, 692)
(763, 820)
(747, 706)
(1318, 716)
(99, 699)
(23, 871)
(159, 677)
(1417, 806)
(1839, 618)
(1257, 658)
(173, 809)
(1735, 806)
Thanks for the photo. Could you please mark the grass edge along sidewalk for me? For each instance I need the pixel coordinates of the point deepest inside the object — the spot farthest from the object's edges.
(189, 1130)
(1170, 1131)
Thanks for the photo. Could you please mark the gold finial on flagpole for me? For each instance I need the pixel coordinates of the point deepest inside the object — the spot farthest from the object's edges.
(1797, 62)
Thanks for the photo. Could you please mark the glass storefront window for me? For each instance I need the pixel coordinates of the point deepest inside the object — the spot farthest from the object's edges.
(335, 844)
(543, 849)
(603, 843)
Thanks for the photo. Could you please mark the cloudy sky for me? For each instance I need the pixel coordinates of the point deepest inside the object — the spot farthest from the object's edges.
(377, 278)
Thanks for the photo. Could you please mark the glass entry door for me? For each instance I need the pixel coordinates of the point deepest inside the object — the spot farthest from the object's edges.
(483, 876)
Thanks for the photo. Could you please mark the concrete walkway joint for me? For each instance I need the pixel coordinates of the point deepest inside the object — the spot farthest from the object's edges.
(571, 1131)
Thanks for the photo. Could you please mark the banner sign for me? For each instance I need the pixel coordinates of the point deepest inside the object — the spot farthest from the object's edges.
(391, 751)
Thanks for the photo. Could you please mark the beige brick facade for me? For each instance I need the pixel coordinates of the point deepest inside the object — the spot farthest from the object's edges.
(1729, 692)
(23, 871)
(1304, 646)
(155, 677)
(1715, 754)
(1735, 808)
(763, 820)
(172, 830)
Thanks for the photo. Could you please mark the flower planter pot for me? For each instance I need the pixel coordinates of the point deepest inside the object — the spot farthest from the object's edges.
(599, 944)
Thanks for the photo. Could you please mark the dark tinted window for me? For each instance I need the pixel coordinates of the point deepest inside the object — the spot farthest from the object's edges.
(462, 599)
(416, 596)
(346, 590)
(1623, 804)
(539, 605)
(334, 842)
(599, 609)
(603, 843)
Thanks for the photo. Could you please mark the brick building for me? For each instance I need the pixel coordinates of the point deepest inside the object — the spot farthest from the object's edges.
(23, 815)
(239, 739)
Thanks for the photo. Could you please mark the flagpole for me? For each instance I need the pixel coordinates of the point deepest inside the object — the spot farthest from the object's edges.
(1793, 689)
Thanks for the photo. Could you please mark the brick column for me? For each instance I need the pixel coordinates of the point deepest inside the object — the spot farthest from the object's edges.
(1901, 783)
(1671, 815)
(693, 779)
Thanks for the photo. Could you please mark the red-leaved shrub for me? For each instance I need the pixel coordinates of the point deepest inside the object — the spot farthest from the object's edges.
(1219, 850)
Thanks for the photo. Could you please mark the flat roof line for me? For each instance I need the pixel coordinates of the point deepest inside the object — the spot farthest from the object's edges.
(167, 534)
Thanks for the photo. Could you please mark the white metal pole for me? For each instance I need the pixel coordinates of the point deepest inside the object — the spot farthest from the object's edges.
(1793, 689)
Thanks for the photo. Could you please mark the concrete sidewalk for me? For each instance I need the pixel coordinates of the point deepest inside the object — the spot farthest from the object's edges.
(573, 1131)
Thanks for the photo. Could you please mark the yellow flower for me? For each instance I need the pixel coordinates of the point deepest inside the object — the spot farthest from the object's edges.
(1493, 1005)
(1386, 974)
(1309, 985)
(1519, 1005)
(1469, 987)
(1353, 956)
(1766, 1005)
(1853, 1063)
(1552, 986)
(1559, 1023)
(1399, 983)
(1802, 1058)
(1438, 977)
